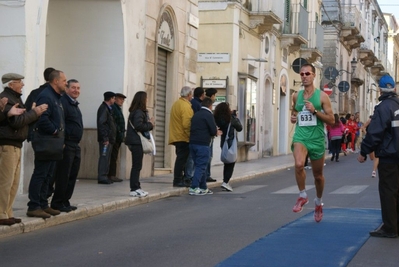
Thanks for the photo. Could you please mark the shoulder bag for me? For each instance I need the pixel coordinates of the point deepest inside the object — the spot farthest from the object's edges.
(146, 143)
(48, 147)
(229, 154)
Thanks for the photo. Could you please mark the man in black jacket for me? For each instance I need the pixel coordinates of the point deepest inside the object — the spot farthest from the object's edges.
(32, 98)
(106, 134)
(67, 169)
(50, 124)
(13, 131)
(383, 138)
(203, 128)
(120, 135)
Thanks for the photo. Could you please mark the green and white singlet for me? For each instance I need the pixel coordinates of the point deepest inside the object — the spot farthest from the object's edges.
(309, 130)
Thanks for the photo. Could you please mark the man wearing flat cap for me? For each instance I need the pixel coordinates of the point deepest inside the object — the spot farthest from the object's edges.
(382, 138)
(13, 132)
(106, 135)
(120, 135)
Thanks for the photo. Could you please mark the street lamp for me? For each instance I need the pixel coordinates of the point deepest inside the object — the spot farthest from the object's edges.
(331, 73)
(353, 66)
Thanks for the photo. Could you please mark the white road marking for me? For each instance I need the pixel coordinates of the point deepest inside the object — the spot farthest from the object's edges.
(350, 189)
(292, 190)
(245, 189)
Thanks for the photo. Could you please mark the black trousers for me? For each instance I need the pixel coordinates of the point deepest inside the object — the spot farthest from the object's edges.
(228, 169)
(137, 164)
(65, 176)
(103, 162)
(336, 147)
(114, 159)
(388, 187)
(182, 152)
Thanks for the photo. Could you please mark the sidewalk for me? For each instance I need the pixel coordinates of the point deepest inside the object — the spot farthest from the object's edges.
(93, 199)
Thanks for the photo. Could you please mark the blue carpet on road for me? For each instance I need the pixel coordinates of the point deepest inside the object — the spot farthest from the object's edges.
(332, 242)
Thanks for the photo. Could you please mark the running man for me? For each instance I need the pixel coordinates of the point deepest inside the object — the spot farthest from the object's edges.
(311, 108)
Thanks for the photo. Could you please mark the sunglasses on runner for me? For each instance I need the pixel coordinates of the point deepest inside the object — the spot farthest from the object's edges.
(305, 73)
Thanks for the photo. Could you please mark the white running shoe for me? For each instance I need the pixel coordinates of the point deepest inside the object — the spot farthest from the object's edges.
(227, 187)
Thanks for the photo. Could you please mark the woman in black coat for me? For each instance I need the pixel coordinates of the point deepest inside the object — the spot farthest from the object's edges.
(223, 117)
(138, 118)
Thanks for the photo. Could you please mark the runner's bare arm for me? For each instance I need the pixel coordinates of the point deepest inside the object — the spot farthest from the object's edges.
(328, 115)
(293, 111)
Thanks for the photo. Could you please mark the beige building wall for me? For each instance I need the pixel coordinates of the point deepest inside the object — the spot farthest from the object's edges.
(108, 45)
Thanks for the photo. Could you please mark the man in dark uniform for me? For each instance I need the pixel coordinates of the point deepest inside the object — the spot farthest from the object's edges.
(382, 137)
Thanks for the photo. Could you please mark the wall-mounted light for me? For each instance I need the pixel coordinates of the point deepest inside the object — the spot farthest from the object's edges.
(377, 39)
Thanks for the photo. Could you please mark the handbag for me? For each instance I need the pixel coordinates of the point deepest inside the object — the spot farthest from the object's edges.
(48, 147)
(229, 154)
(148, 147)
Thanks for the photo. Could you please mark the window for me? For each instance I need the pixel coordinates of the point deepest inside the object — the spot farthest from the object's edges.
(247, 107)
(305, 4)
(267, 45)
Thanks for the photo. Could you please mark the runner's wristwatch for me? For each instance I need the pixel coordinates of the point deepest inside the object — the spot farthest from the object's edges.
(315, 112)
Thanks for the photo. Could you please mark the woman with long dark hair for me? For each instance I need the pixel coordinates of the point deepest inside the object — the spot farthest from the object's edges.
(138, 122)
(335, 132)
(223, 118)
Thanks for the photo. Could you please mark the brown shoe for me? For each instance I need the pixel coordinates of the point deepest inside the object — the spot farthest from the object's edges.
(52, 211)
(115, 179)
(16, 220)
(8, 221)
(38, 213)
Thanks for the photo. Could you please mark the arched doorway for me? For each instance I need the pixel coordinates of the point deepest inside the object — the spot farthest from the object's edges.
(283, 115)
(267, 132)
(165, 69)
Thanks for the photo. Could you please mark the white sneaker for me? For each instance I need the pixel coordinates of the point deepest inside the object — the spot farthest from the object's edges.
(206, 191)
(196, 192)
(227, 187)
(142, 193)
(133, 194)
(138, 193)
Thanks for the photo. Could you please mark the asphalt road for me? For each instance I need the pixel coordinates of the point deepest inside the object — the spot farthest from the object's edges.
(199, 230)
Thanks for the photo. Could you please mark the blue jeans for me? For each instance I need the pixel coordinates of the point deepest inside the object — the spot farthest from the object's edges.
(200, 155)
(38, 185)
(189, 173)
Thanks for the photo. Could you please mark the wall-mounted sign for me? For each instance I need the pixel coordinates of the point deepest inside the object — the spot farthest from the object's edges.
(213, 57)
(208, 83)
(166, 32)
(193, 20)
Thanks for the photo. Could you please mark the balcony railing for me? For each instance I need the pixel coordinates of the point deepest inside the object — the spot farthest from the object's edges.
(256, 6)
(316, 36)
(351, 17)
(298, 21)
(331, 12)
